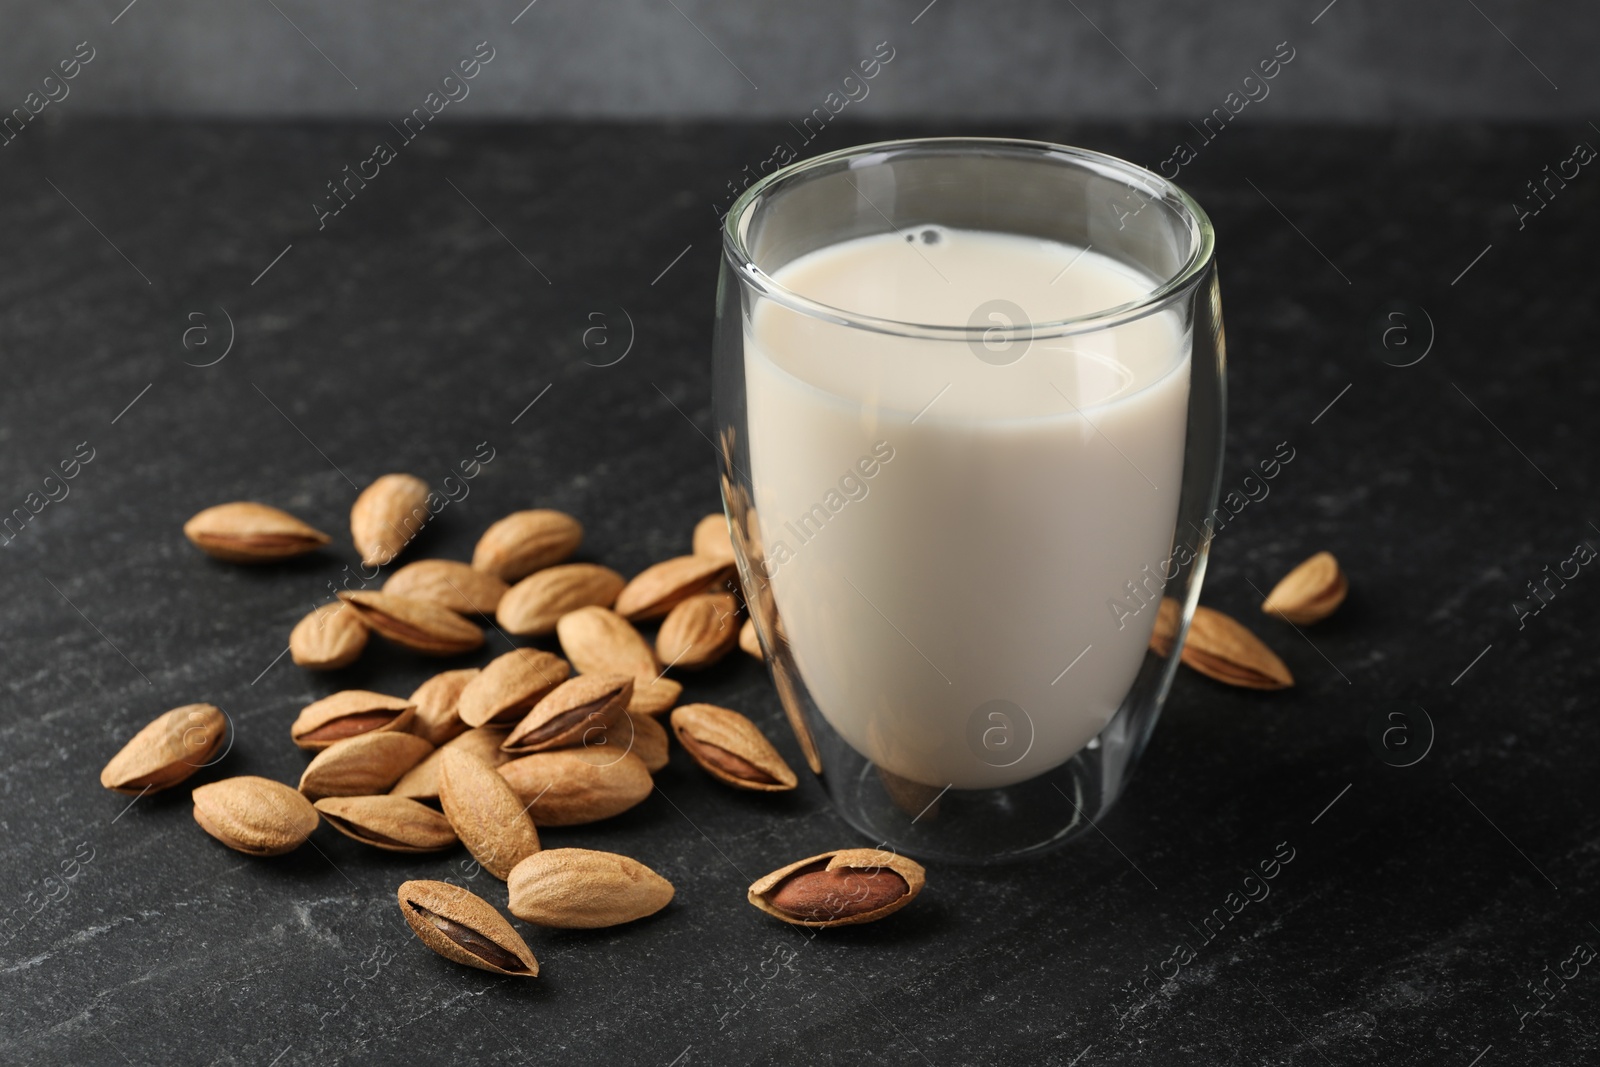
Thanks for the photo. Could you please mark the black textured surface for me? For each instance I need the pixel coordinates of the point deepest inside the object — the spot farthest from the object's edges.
(1417, 908)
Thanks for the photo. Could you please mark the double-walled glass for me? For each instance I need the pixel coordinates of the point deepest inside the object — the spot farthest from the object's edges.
(971, 543)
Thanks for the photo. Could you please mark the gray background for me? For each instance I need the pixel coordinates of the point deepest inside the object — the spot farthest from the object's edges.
(1061, 59)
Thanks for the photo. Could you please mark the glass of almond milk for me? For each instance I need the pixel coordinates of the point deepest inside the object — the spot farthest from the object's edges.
(970, 403)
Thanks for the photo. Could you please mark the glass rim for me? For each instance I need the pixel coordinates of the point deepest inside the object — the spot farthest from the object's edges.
(1202, 241)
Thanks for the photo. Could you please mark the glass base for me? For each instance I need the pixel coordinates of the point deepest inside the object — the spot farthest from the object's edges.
(966, 826)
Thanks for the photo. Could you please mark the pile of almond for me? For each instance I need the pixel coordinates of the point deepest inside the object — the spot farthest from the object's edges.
(483, 757)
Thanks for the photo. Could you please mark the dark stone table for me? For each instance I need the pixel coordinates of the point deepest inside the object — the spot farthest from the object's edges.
(1426, 913)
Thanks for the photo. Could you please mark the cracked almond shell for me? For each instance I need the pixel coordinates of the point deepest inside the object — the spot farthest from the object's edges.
(415, 624)
(464, 928)
(842, 888)
(658, 589)
(572, 713)
(394, 824)
(363, 765)
(731, 748)
(349, 713)
(505, 690)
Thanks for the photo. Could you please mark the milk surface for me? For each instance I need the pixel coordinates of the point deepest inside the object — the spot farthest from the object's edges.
(946, 536)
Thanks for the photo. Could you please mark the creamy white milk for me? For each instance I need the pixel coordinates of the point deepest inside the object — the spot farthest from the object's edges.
(943, 532)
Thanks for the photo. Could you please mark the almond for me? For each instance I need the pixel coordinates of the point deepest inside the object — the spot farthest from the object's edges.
(534, 605)
(526, 541)
(580, 889)
(1220, 648)
(332, 636)
(422, 781)
(656, 590)
(699, 631)
(448, 584)
(731, 748)
(572, 713)
(464, 928)
(572, 786)
(438, 718)
(347, 714)
(243, 532)
(362, 765)
(415, 624)
(253, 815)
(387, 515)
(711, 538)
(1309, 593)
(485, 813)
(599, 641)
(394, 824)
(509, 687)
(852, 885)
(167, 750)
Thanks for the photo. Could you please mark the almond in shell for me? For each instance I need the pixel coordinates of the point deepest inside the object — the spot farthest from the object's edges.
(534, 605)
(449, 584)
(485, 813)
(244, 532)
(699, 631)
(656, 590)
(505, 690)
(852, 885)
(711, 538)
(363, 765)
(256, 816)
(167, 750)
(349, 713)
(438, 718)
(332, 636)
(731, 748)
(572, 786)
(415, 624)
(394, 824)
(572, 713)
(526, 541)
(387, 515)
(578, 888)
(1309, 593)
(464, 928)
(1220, 648)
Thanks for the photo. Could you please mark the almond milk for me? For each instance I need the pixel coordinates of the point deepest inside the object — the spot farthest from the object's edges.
(946, 527)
